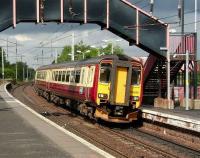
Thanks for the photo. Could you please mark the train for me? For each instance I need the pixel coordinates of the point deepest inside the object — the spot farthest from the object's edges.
(107, 87)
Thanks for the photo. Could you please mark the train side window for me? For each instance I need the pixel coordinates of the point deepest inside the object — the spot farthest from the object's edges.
(63, 76)
(45, 75)
(72, 77)
(82, 76)
(53, 76)
(38, 74)
(78, 75)
(56, 75)
(135, 80)
(90, 75)
(105, 73)
(60, 76)
(67, 76)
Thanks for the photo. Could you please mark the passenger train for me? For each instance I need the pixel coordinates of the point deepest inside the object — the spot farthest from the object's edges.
(108, 87)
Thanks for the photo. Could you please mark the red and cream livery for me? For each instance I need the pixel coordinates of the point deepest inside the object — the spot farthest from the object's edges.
(108, 87)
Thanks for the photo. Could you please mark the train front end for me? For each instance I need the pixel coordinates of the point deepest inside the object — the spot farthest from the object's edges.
(119, 91)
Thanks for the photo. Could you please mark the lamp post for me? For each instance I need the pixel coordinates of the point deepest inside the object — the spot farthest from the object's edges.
(112, 43)
(2, 57)
(98, 49)
(83, 53)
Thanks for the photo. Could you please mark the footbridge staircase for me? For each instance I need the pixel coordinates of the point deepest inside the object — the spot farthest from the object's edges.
(155, 76)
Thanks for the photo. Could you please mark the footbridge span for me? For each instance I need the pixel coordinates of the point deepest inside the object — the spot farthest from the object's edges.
(118, 16)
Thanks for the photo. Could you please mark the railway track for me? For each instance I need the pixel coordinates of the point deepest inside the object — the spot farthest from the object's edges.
(119, 142)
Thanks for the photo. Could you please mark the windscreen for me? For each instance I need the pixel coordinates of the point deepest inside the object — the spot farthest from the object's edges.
(136, 76)
(105, 72)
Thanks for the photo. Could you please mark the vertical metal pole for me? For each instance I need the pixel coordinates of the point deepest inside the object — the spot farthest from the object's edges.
(168, 78)
(195, 70)
(195, 58)
(85, 11)
(42, 57)
(7, 48)
(27, 72)
(72, 53)
(14, 14)
(182, 16)
(137, 28)
(56, 56)
(16, 64)
(22, 68)
(112, 48)
(182, 37)
(61, 11)
(51, 47)
(195, 16)
(108, 14)
(187, 81)
(2, 62)
(83, 55)
(38, 11)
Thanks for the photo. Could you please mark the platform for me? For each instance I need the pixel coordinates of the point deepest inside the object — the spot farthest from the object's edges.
(23, 133)
(177, 117)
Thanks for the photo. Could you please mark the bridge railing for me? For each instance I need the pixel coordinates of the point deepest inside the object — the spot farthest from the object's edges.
(180, 44)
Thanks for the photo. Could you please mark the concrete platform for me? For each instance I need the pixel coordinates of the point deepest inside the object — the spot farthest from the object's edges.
(178, 117)
(24, 133)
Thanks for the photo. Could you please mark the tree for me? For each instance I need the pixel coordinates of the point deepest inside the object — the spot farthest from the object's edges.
(88, 51)
(10, 69)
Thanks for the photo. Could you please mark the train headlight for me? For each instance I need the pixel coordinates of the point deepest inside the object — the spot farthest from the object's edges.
(103, 96)
(135, 98)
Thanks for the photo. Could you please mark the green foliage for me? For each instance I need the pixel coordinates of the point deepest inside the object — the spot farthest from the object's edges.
(10, 69)
(88, 51)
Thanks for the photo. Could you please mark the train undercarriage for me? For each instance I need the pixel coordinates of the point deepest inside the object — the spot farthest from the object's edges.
(106, 112)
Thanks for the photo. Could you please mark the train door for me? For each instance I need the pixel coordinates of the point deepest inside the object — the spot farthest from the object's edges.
(120, 84)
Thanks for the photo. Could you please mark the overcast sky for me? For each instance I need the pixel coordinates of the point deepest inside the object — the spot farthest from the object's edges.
(30, 35)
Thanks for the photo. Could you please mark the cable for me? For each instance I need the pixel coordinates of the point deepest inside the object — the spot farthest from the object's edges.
(186, 24)
(171, 16)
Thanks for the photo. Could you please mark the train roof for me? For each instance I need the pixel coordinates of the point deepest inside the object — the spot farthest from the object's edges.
(90, 61)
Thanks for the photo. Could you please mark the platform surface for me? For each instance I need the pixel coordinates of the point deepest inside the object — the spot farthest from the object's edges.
(23, 134)
(188, 119)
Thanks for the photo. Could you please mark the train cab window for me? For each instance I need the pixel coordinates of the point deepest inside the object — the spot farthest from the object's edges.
(72, 77)
(78, 76)
(67, 76)
(135, 80)
(105, 73)
(63, 76)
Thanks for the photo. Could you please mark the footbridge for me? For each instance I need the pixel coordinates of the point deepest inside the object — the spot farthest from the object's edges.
(118, 16)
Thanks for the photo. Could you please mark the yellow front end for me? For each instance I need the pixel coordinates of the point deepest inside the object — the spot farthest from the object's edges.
(103, 93)
(135, 94)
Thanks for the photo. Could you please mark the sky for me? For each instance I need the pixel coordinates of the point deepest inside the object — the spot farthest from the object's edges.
(30, 35)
